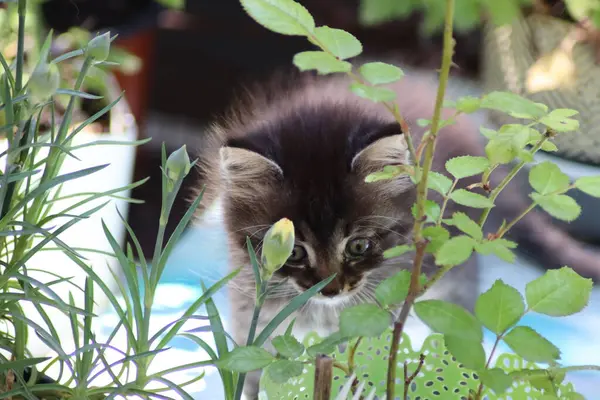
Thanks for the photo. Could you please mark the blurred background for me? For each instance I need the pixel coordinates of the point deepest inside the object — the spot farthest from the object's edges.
(182, 62)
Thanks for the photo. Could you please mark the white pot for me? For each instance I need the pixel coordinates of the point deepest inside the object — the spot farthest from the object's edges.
(88, 233)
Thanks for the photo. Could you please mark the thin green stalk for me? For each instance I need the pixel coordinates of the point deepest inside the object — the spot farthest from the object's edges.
(421, 198)
(498, 189)
(352, 354)
(260, 300)
(508, 227)
(445, 203)
(22, 7)
(487, 364)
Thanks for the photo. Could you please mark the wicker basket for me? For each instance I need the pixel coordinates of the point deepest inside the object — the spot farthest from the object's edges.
(536, 58)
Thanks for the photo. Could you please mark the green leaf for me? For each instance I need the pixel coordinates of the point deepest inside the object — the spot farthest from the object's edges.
(499, 247)
(470, 199)
(466, 224)
(560, 206)
(327, 346)
(465, 166)
(546, 178)
(379, 73)
(376, 94)
(388, 172)
(432, 210)
(322, 62)
(500, 307)
(286, 17)
(21, 364)
(468, 104)
(364, 320)
(467, 352)
(438, 182)
(559, 121)
(437, 236)
(589, 185)
(496, 379)
(513, 105)
(283, 370)
(340, 43)
(288, 346)
(374, 12)
(422, 122)
(558, 292)
(507, 143)
(449, 319)
(455, 251)
(530, 345)
(394, 289)
(397, 251)
(245, 359)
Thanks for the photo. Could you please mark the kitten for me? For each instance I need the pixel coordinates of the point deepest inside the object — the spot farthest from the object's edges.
(301, 149)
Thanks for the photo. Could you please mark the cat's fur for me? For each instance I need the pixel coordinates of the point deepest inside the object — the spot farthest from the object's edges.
(301, 149)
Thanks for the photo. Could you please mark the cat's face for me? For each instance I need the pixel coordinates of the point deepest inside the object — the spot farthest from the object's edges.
(312, 171)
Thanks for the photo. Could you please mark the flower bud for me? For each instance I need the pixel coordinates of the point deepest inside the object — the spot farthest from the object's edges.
(43, 82)
(99, 47)
(178, 164)
(278, 245)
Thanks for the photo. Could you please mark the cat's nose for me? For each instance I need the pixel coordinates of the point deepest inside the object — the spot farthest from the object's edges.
(331, 291)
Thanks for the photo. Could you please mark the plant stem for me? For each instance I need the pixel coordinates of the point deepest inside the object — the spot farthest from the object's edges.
(260, 299)
(352, 353)
(487, 364)
(498, 189)
(408, 379)
(420, 245)
(512, 223)
(445, 203)
(20, 46)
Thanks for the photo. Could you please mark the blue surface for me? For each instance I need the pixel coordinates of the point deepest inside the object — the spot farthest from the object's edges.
(200, 256)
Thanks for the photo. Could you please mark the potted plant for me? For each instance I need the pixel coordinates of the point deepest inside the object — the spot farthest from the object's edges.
(107, 140)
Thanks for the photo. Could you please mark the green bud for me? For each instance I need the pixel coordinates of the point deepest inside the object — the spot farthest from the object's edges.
(43, 82)
(278, 245)
(99, 47)
(178, 164)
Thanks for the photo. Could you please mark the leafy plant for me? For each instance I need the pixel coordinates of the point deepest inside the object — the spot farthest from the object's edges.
(470, 13)
(501, 307)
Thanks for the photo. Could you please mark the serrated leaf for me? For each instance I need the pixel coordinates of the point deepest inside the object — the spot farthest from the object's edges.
(549, 146)
(286, 17)
(466, 166)
(397, 251)
(320, 61)
(558, 292)
(379, 73)
(546, 177)
(499, 247)
(364, 320)
(245, 359)
(432, 210)
(470, 199)
(327, 346)
(507, 143)
(388, 172)
(288, 346)
(500, 307)
(559, 121)
(438, 182)
(394, 289)
(339, 42)
(462, 221)
(437, 236)
(496, 379)
(589, 185)
(455, 251)
(530, 345)
(470, 353)
(449, 319)
(422, 122)
(560, 206)
(513, 105)
(376, 94)
(468, 104)
(283, 370)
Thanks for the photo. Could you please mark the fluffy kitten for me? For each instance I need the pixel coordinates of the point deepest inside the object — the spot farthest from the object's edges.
(301, 149)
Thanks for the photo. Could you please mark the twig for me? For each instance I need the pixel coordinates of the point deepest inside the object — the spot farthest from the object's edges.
(323, 376)
(420, 244)
(352, 353)
(487, 364)
(408, 379)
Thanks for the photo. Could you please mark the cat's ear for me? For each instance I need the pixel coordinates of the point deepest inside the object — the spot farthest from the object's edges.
(385, 146)
(245, 172)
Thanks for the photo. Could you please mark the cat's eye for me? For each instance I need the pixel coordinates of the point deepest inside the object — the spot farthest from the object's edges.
(358, 247)
(298, 255)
